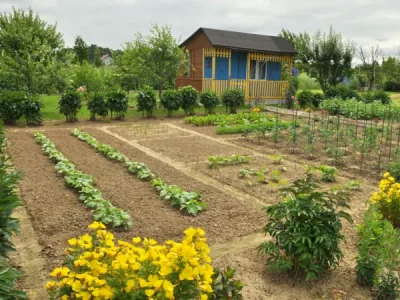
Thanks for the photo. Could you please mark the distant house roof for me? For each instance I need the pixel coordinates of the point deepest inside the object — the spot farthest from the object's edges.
(104, 56)
(244, 41)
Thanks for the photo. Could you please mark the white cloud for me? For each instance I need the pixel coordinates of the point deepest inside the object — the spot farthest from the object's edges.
(112, 23)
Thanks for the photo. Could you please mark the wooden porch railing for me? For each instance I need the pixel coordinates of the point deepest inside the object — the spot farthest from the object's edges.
(254, 89)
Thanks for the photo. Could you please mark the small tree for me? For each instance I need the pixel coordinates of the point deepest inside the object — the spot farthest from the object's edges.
(189, 99)
(233, 98)
(11, 106)
(146, 101)
(171, 100)
(69, 105)
(370, 60)
(97, 105)
(306, 227)
(31, 107)
(117, 102)
(210, 101)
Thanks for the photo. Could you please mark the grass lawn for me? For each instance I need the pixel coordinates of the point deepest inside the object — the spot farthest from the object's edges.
(50, 109)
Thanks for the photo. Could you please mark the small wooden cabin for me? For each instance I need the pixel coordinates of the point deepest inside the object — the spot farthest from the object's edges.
(220, 60)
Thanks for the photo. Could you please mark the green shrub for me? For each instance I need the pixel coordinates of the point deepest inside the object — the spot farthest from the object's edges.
(146, 100)
(171, 100)
(117, 102)
(328, 173)
(306, 229)
(69, 105)
(262, 127)
(97, 105)
(210, 101)
(381, 96)
(32, 106)
(225, 286)
(370, 233)
(305, 98)
(342, 91)
(233, 98)
(317, 99)
(11, 106)
(189, 99)
(392, 86)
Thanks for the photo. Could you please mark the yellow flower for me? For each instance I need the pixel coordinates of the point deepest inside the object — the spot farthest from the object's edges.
(149, 293)
(136, 240)
(96, 225)
(51, 285)
(130, 284)
(168, 288)
(143, 283)
(187, 273)
(60, 272)
(73, 242)
(154, 281)
(203, 297)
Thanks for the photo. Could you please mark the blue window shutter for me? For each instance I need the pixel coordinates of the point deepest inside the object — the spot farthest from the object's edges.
(221, 68)
(274, 71)
(207, 67)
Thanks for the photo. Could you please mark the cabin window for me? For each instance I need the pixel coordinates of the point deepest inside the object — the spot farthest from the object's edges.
(187, 73)
(258, 69)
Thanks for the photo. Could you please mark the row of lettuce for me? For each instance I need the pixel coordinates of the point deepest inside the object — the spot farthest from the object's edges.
(9, 201)
(189, 202)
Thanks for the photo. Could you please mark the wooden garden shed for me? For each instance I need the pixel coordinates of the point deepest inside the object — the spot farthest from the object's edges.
(219, 60)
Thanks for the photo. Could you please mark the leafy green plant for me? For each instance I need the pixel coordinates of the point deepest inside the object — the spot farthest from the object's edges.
(225, 287)
(261, 127)
(214, 161)
(246, 172)
(189, 99)
(8, 278)
(209, 100)
(306, 229)
(229, 119)
(328, 173)
(370, 233)
(103, 211)
(11, 106)
(97, 105)
(187, 201)
(275, 176)
(69, 105)
(233, 98)
(146, 100)
(32, 106)
(171, 101)
(117, 102)
(277, 158)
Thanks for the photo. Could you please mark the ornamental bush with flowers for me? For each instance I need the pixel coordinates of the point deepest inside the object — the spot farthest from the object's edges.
(387, 200)
(100, 268)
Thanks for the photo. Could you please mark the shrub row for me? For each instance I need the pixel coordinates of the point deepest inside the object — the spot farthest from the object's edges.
(360, 110)
(187, 201)
(115, 102)
(307, 98)
(141, 269)
(104, 211)
(14, 105)
(9, 225)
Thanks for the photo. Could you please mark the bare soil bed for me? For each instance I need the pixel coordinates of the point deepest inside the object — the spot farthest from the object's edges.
(230, 220)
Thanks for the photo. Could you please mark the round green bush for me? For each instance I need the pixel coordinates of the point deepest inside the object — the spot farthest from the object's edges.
(209, 100)
(117, 103)
(317, 99)
(381, 96)
(97, 105)
(69, 105)
(32, 106)
(233, 98)
(11, 106)
(146, 101)
(171, 101)
(305, 98)
(189, 99)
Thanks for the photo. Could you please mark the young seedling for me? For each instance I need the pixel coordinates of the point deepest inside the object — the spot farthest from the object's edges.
(277, 158)
(328, 173)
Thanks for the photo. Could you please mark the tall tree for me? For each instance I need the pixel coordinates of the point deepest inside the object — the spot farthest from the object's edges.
(97, 58)
(154, 59)
(326, 57)
(391, 68)
(370, 61)
(31, 51)
(81, 50)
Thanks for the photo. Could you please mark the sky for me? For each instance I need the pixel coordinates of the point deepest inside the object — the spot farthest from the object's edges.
(111, 23)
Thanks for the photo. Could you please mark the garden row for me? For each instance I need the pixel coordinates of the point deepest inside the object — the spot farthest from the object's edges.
(9, 201)
(187, 201)
(83, 183)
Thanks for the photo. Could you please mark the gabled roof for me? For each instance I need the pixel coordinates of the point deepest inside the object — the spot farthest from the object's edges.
(244, 41)
(104, 56)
